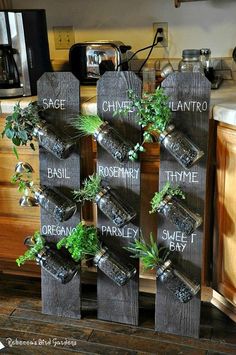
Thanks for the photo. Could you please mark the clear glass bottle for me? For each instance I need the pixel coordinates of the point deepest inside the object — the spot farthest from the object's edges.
(191, 61)
(113, 143)
(118, 212)
(176, 282)
(47, 138)
(180, 147)
(112, 268)
(207, 64)
(179, 215)
(56, 265)
(55, 203)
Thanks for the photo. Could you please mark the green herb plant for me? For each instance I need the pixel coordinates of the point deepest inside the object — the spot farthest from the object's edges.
(149, 253)
(91, 187)
(82, 242)
(153, 115)
(24, 182)
(87, 124)
(35, 248)
(166, 190)
(20, 124)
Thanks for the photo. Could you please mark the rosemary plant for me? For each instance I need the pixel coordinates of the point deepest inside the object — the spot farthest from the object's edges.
(91, 187)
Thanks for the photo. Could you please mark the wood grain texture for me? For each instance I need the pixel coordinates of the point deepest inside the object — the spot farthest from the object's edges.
(172, 316)
(60, 299)
(119, 304)
(225, 241)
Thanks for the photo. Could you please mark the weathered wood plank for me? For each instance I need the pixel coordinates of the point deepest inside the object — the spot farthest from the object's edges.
(119, 304)
(193, 89)
(64, 90)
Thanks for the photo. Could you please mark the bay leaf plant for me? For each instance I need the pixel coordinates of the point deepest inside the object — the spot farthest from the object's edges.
(150, 255)
(19, 126)
(153, 114)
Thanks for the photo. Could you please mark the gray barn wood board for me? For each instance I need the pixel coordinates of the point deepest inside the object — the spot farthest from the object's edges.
(171, 316)
(119, 304)
(64, 90)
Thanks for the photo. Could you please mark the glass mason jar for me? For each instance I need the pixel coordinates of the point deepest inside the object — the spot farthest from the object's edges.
(112, 268)
(55, 203)
(176, 282)
(180, 147)
(115, 210)
(191, 61)
(179, 215)
(112, 142)
(56, 265)
(51, 142)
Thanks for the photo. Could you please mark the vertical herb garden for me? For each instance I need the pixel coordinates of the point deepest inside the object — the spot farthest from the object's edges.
(176, 116)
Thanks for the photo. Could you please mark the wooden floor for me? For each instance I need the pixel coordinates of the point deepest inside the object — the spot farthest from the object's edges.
(21, 320)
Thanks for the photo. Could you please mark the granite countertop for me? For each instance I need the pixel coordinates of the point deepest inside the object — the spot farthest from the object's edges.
(223, 102)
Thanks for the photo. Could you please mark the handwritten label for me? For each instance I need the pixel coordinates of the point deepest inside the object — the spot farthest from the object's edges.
(182, 176)
(58, 104)
(177, 241)
(125, 232)
(56, 230)
(118, 172)
(60, 173)
(191, 106)
(110, 106)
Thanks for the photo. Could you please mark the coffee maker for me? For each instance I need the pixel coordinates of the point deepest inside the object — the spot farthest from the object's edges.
(24, 51)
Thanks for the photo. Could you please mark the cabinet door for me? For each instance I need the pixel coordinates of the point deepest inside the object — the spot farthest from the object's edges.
(225, 272)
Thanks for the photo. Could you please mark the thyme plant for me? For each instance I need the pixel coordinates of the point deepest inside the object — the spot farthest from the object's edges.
(166, 190)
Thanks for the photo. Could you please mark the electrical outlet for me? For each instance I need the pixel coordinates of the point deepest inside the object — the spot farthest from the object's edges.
(164, 33)
(64, 37)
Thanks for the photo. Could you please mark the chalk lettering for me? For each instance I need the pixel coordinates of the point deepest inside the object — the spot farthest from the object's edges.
(177, 241)
(108, 106)
(58, 104)
(182, 176)
(118, 172)
(60, 173)
(177, 246)
(56, 230)
(190, 106)
(125, 232)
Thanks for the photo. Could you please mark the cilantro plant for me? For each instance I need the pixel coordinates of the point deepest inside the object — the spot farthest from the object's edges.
(82, 242)
(35, 248)
(19, 126)
(166, 190)
(153, 115)
(149, 253)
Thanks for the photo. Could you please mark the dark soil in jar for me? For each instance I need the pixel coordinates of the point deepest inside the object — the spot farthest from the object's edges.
(176, 286)
(57, 266)
(182, 149)
(179, 216)
(113, 143)
(52, 143)
(117, 212)
(58, 205)
(114, 270)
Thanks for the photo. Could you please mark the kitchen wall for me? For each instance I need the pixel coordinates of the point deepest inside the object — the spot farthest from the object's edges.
(209, 23)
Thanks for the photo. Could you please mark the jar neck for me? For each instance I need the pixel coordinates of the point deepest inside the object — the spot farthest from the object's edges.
(167, 131)
(191, 59)
(162, 267)
(101, 193)
(100, 128)
(99, 255)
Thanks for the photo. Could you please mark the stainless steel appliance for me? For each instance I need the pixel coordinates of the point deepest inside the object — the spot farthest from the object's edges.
(89, 60)
(24, 51)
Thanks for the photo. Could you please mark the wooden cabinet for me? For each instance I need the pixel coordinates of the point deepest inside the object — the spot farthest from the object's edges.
(225, 241)
(15, 222)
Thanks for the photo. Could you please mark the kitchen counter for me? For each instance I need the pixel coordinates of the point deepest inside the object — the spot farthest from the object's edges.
(223, 101)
